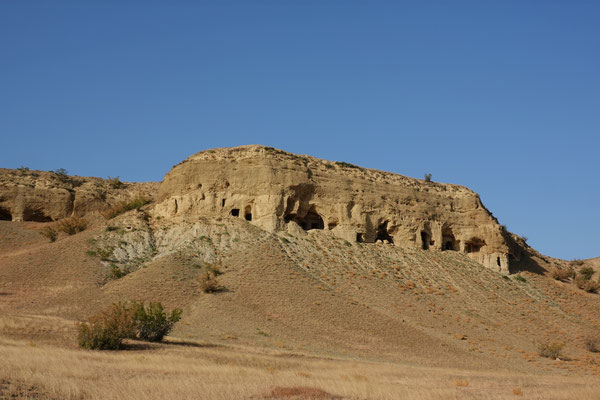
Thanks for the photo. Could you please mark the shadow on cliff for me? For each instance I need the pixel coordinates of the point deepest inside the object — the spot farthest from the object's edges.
(523, 257)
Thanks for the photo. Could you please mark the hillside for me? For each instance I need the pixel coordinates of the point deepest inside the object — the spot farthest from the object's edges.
(319, 295)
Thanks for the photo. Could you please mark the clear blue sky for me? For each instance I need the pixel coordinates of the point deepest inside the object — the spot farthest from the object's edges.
(500, 96)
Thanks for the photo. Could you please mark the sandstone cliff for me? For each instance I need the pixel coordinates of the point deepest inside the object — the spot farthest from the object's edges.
(280, 191)
(46, 196)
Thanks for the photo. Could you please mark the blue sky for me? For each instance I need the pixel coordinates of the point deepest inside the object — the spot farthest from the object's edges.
(499, 96)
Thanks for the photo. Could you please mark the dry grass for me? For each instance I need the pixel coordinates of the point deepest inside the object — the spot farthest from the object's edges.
(562, 274)
(71, 225)
(203, 371)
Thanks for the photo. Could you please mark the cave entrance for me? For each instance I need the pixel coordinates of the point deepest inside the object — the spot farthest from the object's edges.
(235, 212)
(248, 213)
(383, 234)
(5, 215)
(425, 240)
(474, 245)
(36, 215)
(311, 220)
(448, 240)
(359, 237)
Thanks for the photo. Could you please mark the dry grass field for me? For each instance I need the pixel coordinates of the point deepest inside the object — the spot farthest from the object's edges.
(298, 318)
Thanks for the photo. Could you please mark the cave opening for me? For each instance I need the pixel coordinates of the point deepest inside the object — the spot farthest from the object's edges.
(359, 237)
(425, 240)
(235, 212)
(383, 234)
(248, 213)
(448, 240)
(474, 245)
(36, 215)
(5, 215)
(311, 220)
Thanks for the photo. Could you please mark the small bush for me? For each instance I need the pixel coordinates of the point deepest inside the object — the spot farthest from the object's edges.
(61, 172)
(71, 225)
(519, 278)
(345, 164)
(577, 262)
(111, 228)
(551, 350)
(115, 272)
(209, 283)
(22, 169)
(428, 177)
(91, 253)
(115, 183)
(107, 329)
(152, 323)
(136, 203)
(586, 273)
(562, 274)
(49, 232)
(587, 285)
(592, 345)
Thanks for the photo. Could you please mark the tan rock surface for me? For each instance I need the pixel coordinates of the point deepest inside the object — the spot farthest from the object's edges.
(280, 191)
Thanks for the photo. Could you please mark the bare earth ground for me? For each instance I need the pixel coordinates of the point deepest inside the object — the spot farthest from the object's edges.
(299, 318)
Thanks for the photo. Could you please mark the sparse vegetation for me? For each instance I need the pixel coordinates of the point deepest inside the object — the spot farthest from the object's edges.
(587, 285)
(61, 172)
(209, 283)
(22, 169)
(562, 274)
(586, 273)
(345, 164)
(428, 177)
(592, 344)
(107, 329)
(152, 323)
(136, 203)
(115, 182)
(91, 253)
(519, 278)
(71, 225)
(116, 272)
(111, 228)
(49, 232)
(577, 262)
(551, 349)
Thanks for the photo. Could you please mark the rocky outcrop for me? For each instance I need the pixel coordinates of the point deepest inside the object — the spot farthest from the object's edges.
(46, 196)
(280, 191)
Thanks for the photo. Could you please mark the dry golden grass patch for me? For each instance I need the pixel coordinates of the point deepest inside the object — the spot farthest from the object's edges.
(202, 371)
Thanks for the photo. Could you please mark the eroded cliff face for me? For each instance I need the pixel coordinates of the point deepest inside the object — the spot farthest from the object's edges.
(46, 196)
(280, 191)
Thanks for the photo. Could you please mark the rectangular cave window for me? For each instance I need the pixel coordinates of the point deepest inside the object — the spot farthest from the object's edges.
(235, 212)
(359, 237)
(223, 203)
(248, 216)
(248, 213)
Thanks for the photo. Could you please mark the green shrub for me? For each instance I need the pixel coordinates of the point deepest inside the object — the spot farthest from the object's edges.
(115, 272)
(519, 278)
(71, 225)
(586, 273)
(91, 253)
(49, 232)
(152, 323)
(551, 350)
(107, 329)
(428, 177)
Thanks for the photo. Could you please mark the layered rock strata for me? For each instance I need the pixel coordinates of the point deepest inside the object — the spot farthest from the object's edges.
(280, 191)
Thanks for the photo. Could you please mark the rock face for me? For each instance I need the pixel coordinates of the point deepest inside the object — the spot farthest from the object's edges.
(280, 191)
(46, 196)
